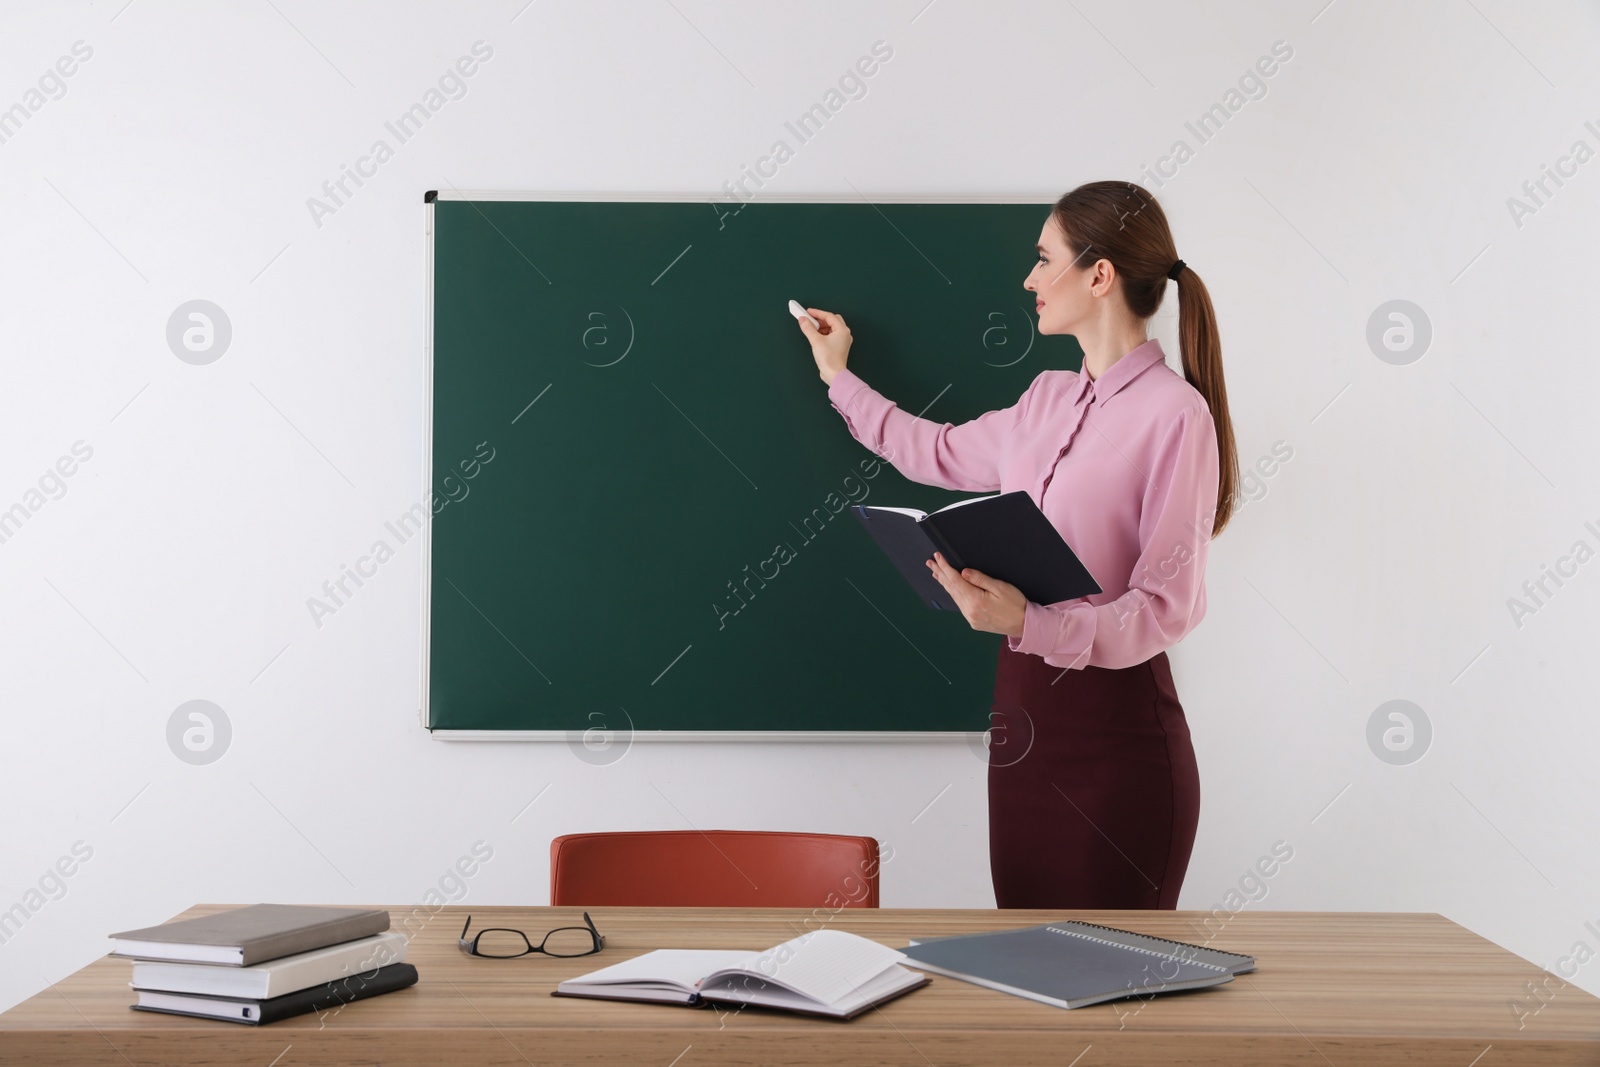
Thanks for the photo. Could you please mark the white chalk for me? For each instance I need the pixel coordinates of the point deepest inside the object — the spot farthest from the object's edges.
(800, 313)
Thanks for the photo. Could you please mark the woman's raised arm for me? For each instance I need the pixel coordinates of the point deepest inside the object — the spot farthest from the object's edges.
(949, 456)
(965, 456)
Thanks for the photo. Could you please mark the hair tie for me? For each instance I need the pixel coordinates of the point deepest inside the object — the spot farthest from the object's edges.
(1177, 269)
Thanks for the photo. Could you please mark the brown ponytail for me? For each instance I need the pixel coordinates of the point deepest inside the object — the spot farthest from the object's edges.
(1121, 222)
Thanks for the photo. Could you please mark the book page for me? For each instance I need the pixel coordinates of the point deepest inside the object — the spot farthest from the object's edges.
(750, 990)
(908, 512)
(972, 500)
(678, 967)
(826, 965)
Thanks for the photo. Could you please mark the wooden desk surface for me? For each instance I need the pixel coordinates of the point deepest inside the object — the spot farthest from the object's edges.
(1357, 988)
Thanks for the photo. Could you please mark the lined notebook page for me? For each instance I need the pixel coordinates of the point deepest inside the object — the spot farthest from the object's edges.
(827, 965)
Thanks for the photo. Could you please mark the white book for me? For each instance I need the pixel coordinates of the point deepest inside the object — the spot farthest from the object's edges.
(824, 972)
(274, 978)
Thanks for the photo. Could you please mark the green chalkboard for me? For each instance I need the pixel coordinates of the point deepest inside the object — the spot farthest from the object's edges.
(639, 490)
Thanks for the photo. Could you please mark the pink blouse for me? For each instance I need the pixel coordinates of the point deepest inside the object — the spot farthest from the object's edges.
(1124, 466)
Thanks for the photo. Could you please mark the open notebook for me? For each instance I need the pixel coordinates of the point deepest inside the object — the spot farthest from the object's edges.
(1004, 535)
(824, 972)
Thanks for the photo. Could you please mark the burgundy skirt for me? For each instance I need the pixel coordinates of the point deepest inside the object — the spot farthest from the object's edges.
(1094, 794)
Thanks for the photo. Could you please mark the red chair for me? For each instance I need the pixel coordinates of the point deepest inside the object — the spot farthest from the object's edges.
(714, 869)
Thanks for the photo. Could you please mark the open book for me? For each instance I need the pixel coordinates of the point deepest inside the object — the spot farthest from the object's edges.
(1004, 535)
(824, 972)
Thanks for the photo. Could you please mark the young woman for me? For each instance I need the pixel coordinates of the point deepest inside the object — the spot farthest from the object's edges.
(1094, 795)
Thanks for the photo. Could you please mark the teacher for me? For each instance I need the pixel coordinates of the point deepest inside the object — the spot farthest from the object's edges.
(1094, 794)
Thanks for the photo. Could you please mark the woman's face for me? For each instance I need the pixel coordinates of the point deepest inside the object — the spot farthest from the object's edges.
(1060, 287)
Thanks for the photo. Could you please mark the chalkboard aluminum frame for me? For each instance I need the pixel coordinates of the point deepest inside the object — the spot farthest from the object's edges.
(578, 736)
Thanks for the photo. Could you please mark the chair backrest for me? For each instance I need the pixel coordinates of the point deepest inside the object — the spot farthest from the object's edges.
(714, 868)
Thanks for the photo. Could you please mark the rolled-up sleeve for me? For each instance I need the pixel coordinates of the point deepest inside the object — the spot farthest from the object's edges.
(1166, 591)
(965, 456)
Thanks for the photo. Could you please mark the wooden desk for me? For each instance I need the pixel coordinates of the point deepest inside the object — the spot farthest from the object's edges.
(1345, 988)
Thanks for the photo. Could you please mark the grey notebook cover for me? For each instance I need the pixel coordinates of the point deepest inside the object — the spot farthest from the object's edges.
(1235, 962)
(1062, 965)
(267, 931)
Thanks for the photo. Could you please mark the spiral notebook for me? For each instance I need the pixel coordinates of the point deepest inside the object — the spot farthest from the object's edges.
(1074, 964)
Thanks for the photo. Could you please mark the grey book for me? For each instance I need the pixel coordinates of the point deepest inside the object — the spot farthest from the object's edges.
(1072, 964)
(250, 935)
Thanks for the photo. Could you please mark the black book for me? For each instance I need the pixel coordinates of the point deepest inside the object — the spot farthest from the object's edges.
(1005, 536)
(255, 1012)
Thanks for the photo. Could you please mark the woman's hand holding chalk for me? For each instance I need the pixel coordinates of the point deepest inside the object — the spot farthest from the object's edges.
(829, 337)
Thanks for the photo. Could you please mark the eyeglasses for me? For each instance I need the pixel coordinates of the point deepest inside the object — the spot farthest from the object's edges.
(503, 943)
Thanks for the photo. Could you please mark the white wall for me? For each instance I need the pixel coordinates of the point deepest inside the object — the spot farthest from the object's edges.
(1377, 565)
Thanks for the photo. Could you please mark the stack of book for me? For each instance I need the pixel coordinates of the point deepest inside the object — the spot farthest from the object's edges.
(265, 962)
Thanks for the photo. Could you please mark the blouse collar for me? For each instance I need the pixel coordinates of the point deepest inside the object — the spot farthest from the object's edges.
(1122, 371)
